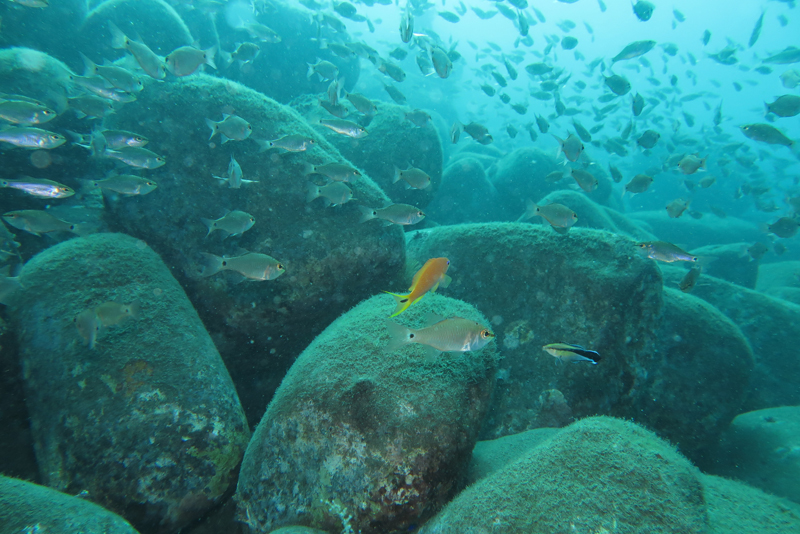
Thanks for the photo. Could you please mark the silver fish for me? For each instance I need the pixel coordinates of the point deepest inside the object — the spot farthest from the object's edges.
(39, 188)
(140, 158)
(231, 127)
(25, 137)
(253, 266)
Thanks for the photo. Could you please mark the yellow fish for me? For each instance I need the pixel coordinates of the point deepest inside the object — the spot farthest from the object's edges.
(428, 278)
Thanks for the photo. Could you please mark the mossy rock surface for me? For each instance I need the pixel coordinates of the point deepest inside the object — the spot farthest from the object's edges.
(466, 194)
(588, 287)
(148, 422)
(597, 475)
(493, 455)
(24, 505)
(743, 509)
(331, 260)
(771, 326)
(354, 431)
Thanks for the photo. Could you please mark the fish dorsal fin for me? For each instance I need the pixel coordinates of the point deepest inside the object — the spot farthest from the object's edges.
(432, 318)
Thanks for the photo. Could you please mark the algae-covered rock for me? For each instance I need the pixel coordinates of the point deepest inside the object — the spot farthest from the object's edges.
(770, 325)
(597, 475)
(778, 275)
(28, 507)
(331, 260)
(762, 449)
(698, 376)
(31, 73)
(466, 194)
(148, 421)
(154, 22)
(593, 215)
(538, 287)
(729, 262)
(358, 438)
(392, 142)
(492, 455)
(736, 507)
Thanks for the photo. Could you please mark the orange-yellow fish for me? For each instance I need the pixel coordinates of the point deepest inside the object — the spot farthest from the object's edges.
(426, 279)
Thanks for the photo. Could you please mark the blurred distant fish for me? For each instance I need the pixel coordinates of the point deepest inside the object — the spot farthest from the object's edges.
(791, 78)
(784, 227)
(766, 134)
(333, 193)
(392, 70)
(8, 286)
(791, 54)
(406, 26)
(337, 172)
(478, 132)
(648, 139)
(585, 180)
(39, 188)
(119, 77)
(186, 60)
(615, 173)
(666, 252)
(324, 69)
(639, 184)
(691, 163)
(252, 265)
(114, 312)
(402, 214)
(618, 84)
(113, 139)
(343, 127)
(39, 222)
(441, 63)
(231, 127)
(428, 278)
(418, 117)
(32, 3)
(785, 106)
(232, 223)
(558, 216)
(643, 10)
(454, 334)
(395, 94)
(566, 352)
(262, 33)
(127, 184)
(33, 138)
(688, 282)
(246, 52)
(455, 131)
(637, 104)
(413, 177)
(572, 147)
(362, 104)
(756, 31)
(635, 49)
(90, 106)
(290, 143)
(141, 158)
(676, 208)
(88, 326)
(148, 60)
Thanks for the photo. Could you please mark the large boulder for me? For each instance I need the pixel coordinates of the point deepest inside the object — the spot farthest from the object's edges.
(762, 448)
(493, 455)
(597, 475)
(780, 280)
(729, 262)
(770, 325)
(698, 378)
(148, 421)
(30, 508)
(358, 438)
(737, 507)
(466, 194)
(589, 287)
(331, 260)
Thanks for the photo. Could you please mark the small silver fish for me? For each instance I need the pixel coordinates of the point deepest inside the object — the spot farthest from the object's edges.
(414, 178)
(402, 214)
(231, 127)
(338, 172)
(39, 222)
(26, 137)
(253, 266)
(140, 158)
(127, 184)
(571, 146)
(324, 69)
(150, 62)
(334, 193)
(291, 143)
(234, 177)
(186, 60)
(231, 224)
(454, 334)
(39, 188)
(25, 113)
(666, 252)
(343, 127)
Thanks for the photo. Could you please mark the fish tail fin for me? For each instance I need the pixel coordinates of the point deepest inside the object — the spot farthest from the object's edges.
(213, 125)
(89, 66)
(210, 55)
(134, 309)
(530, 210)
(313, 192)
(308, 168)
(310, 72)
(396, 177)
(209, 224)
(399, 336)
(367, 214)
(403, 302)
(212, 264)
(118, 39)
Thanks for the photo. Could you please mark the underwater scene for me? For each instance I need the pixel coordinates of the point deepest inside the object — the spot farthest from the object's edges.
(392, 266)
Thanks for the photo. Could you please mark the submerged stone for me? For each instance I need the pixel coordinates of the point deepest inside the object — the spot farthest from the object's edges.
(358, 438)
(331, 260)
(597, 475)
(27, 507)
(148, 421)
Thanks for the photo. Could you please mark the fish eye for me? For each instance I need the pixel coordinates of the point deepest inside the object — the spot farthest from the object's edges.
(150, 183)
(486, 334)
(54, 137)
(280, 267)
(252, 219)
(421, 214)
(137, 138)
(642, 245)
(47, 112)
(249, 127)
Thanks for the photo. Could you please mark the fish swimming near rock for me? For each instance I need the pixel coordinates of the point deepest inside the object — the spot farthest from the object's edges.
(337, 172)
(572, 147)
(126, 184)
(676, 208)
(234, 177)
(32, 138)
(666, 252)
(454, 334)
(413, 177)
(231, 224)
(186, 60)
(114, 312)
(558, 216)
(148, 60)
(688, 282)
(251, 265)
(333, 193)
(38, 222)
(639, 184)
(428, 278)
(402, 214)
(40, 188)
(691, 163)
(566, 352)
(290, 143)
(230, 128)
(344, 127)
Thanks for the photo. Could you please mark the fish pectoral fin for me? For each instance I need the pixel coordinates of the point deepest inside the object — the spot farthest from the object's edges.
(445, 281)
